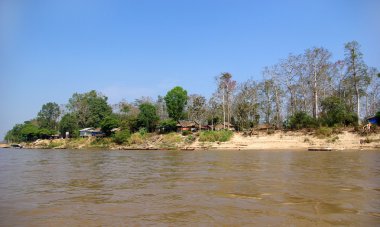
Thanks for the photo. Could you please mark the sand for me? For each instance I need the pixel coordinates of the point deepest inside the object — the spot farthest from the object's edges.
(293, 141)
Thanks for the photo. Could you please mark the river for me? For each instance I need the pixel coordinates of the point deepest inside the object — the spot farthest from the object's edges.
(129, 188)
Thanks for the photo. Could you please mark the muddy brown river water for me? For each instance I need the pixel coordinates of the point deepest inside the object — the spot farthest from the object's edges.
(169, 188)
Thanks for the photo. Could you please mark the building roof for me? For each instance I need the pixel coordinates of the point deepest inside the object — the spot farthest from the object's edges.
(87, 129)
(186, 124)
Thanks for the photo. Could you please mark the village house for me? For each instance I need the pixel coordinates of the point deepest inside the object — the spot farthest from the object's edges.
(187, 126)
(88, 132)
(221, 126)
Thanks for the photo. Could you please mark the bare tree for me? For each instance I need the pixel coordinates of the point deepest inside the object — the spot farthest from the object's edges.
(196, 106)
(356, 71)
(226, 87)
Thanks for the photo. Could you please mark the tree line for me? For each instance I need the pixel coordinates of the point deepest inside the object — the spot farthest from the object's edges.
(301, 90)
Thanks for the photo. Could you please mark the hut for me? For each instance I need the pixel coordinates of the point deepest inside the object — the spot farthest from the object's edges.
(226, 125)
(86, 132)
(187, 126)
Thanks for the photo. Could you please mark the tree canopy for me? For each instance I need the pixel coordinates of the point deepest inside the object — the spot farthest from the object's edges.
(90, 108)
(48, 116)
(148, 117)
(176, 100)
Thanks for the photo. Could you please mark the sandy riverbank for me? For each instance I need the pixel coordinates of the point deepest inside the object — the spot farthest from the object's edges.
(296, 141)
(278, 140)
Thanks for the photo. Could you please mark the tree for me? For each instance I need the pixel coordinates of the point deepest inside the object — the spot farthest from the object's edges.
(69, 123)
(301, 120)
(197, 108)
(356, 71)
(316, 65)
(48, 116)
(334, 112)
(161, 108)
(148, 117)
(277, 95)
(90, 108)
(167, 125)
(214, 110)
(246, 105)
(226, 87)
(14, 135)
(109, 123)
(176, 100)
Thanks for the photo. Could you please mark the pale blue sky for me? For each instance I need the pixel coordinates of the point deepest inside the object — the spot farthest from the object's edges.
(128, 49)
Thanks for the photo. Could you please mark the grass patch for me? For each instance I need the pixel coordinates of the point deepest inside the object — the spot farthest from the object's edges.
(171, 141)
(55, 144)
(76, 142)
(100, 143)
(215, 136)
(190, 139)
(136, 138)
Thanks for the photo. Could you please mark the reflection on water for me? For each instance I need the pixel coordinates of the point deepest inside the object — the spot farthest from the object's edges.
(95, 188)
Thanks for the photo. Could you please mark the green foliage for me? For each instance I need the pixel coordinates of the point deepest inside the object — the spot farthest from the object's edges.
(190, 139)
(148, 117)
(186, 132)
(143, 132)
(176, 100)
(121, 137)
(334, 113)
(130, 122)
(323, 132)
(27, 132)
(109, 123)
(301, 120)
(168, 125)
(213, 136)
(90, 108)
(69, 124)
(48, 116)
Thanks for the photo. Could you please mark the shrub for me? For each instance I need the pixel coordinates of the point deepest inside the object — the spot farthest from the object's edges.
(100, 142)
(108, 123)
(143, 132)
(213, 136)
(54, 144)
(186, 132)
(121, 136)
(335, 112)
(170, 141)
(136, 138)
(323, 132)
(301, 120)
(168, 125)
(190, 139)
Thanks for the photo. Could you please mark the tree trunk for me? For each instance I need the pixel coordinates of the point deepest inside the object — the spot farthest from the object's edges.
(224, 111)
(277, 108)
(315, 109)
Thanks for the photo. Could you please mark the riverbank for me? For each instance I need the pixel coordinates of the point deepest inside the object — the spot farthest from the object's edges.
(277, 140)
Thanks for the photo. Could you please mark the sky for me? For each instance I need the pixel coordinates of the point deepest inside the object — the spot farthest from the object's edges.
(127, 49)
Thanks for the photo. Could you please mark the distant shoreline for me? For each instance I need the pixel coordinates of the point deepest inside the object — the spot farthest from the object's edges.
(278, 140)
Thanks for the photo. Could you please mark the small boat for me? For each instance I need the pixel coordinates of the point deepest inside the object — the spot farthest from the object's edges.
(16, 145)
(319, 149)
